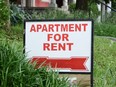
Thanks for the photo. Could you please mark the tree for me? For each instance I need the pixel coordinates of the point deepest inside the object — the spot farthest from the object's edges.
(82, 4)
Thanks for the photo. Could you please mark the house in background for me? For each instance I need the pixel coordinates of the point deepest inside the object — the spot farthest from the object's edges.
(46, 3)
(35, 3)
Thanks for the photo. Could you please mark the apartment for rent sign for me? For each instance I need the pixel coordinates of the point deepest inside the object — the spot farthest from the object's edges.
(65, 45)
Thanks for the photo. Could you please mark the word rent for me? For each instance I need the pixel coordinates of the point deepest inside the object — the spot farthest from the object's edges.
(54, 35)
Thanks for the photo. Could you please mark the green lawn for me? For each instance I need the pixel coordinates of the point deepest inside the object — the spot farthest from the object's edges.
(104, 62)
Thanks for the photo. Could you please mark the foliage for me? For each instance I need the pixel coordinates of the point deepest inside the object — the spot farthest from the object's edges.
(12, 1)
(49, 14)
(93, 9)
(84, 4)
(80, 14)
(15, 71)
(15, 33)
(4, 13)
(72, 7)
(111, 18)
(105, 29)
(18, 15)
(114, 4)
(106, 1)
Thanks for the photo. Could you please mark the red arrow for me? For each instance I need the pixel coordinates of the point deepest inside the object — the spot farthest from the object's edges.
(72, 63)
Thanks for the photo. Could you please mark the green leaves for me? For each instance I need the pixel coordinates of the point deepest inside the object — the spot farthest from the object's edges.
(17, 15)
(4, 13)
(16, 71)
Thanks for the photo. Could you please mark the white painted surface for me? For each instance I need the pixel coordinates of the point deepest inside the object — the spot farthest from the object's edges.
(110, 5)
(65, 5)
(74, 1)
(99, 7)
(46, 1)
(23, 3)
(81, 48)
(65, 2)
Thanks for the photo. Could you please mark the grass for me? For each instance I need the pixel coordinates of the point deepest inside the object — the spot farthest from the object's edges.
(104, 63)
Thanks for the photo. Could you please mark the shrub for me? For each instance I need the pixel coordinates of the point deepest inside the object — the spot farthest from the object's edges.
(79, 14)
(49, 14)
(111, 19)
(4, 13)
(15, 71)
(114, 4)
(72, 7)
(105, 29)
(17, 15)
(94, 10)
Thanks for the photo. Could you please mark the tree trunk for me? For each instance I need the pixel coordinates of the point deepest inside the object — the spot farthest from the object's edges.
(82, 5)
(28, 3)
(8, 25)
(103, 11)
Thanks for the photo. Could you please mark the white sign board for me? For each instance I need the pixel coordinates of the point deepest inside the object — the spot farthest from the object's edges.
(65, 44)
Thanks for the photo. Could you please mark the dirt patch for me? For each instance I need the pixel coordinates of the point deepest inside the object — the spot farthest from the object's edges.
(79, 79)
